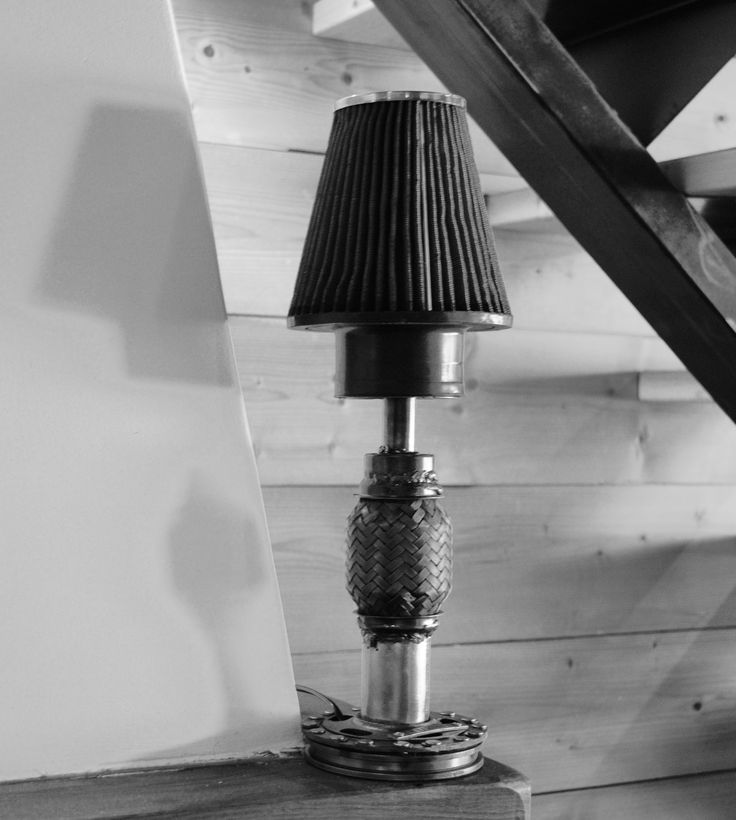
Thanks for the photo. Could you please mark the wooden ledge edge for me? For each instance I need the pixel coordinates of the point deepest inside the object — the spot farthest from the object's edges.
(266, 785)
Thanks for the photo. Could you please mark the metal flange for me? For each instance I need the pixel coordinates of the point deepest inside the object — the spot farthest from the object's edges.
(339, 740)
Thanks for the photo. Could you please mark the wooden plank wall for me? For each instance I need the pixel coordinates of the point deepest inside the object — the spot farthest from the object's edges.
(593, 619)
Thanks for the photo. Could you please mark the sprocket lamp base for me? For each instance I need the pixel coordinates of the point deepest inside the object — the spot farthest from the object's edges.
(339, 740)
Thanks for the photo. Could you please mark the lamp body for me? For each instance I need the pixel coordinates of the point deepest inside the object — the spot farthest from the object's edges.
(399, 263)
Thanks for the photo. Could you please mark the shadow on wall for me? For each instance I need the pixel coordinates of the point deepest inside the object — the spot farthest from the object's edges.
(217, 568)
(137, 249)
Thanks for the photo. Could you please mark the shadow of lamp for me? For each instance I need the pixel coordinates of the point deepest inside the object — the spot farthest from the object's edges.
(399, 263)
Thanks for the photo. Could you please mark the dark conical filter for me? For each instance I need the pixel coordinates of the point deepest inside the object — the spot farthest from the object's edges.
(399, 237)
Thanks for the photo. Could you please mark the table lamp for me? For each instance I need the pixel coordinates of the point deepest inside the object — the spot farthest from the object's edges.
(399, 263)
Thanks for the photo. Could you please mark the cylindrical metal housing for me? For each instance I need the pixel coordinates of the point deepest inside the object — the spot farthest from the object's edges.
(379, 361)
(395, 667)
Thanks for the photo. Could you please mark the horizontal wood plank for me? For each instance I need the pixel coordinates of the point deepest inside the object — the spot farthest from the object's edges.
(530, 562)
(266, 787)
(261, 203)
(258, 77)
(670, 385)
(704, 175)
(575, 713)
(356, 22)
(705, 797)
(549, 408)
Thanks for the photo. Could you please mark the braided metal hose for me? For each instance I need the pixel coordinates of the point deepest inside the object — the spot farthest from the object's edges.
(399, 557)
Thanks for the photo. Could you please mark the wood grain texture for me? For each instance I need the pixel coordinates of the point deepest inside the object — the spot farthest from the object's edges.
(258, 77)
(573, 713)
(267, 787)
(530, 562)
(705, 797)
(261, 202)
(357, 22)
(549, 408)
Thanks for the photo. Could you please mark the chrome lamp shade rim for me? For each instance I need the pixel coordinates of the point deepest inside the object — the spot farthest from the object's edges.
(473, 320)
(400, 96)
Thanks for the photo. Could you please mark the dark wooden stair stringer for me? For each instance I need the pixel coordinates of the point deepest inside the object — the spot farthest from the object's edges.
(547, 117)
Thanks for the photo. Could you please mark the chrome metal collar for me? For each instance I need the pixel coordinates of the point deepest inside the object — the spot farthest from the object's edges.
(394, 96)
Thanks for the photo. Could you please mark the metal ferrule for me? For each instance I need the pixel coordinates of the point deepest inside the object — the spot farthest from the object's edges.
(395, 669)
(399, 475)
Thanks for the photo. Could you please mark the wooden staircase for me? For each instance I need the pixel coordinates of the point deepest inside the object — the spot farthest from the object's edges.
(572, 93)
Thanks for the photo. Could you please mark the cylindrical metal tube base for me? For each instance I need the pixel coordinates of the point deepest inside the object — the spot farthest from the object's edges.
(395, 681)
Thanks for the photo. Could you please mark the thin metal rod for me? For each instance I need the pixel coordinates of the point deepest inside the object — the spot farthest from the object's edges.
(399, 424)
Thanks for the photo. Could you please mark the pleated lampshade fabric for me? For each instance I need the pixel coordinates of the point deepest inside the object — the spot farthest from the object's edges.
(399, 224)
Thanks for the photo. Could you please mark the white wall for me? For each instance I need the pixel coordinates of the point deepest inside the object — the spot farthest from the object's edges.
(139, 612)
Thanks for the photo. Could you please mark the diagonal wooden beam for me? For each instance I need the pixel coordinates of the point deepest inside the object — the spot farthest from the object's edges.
(535, 103)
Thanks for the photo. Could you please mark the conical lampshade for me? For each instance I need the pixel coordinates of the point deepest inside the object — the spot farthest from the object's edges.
(399, 257)
(399, 230)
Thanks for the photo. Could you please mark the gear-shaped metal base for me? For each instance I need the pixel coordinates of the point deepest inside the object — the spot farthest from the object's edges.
(338, 740)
